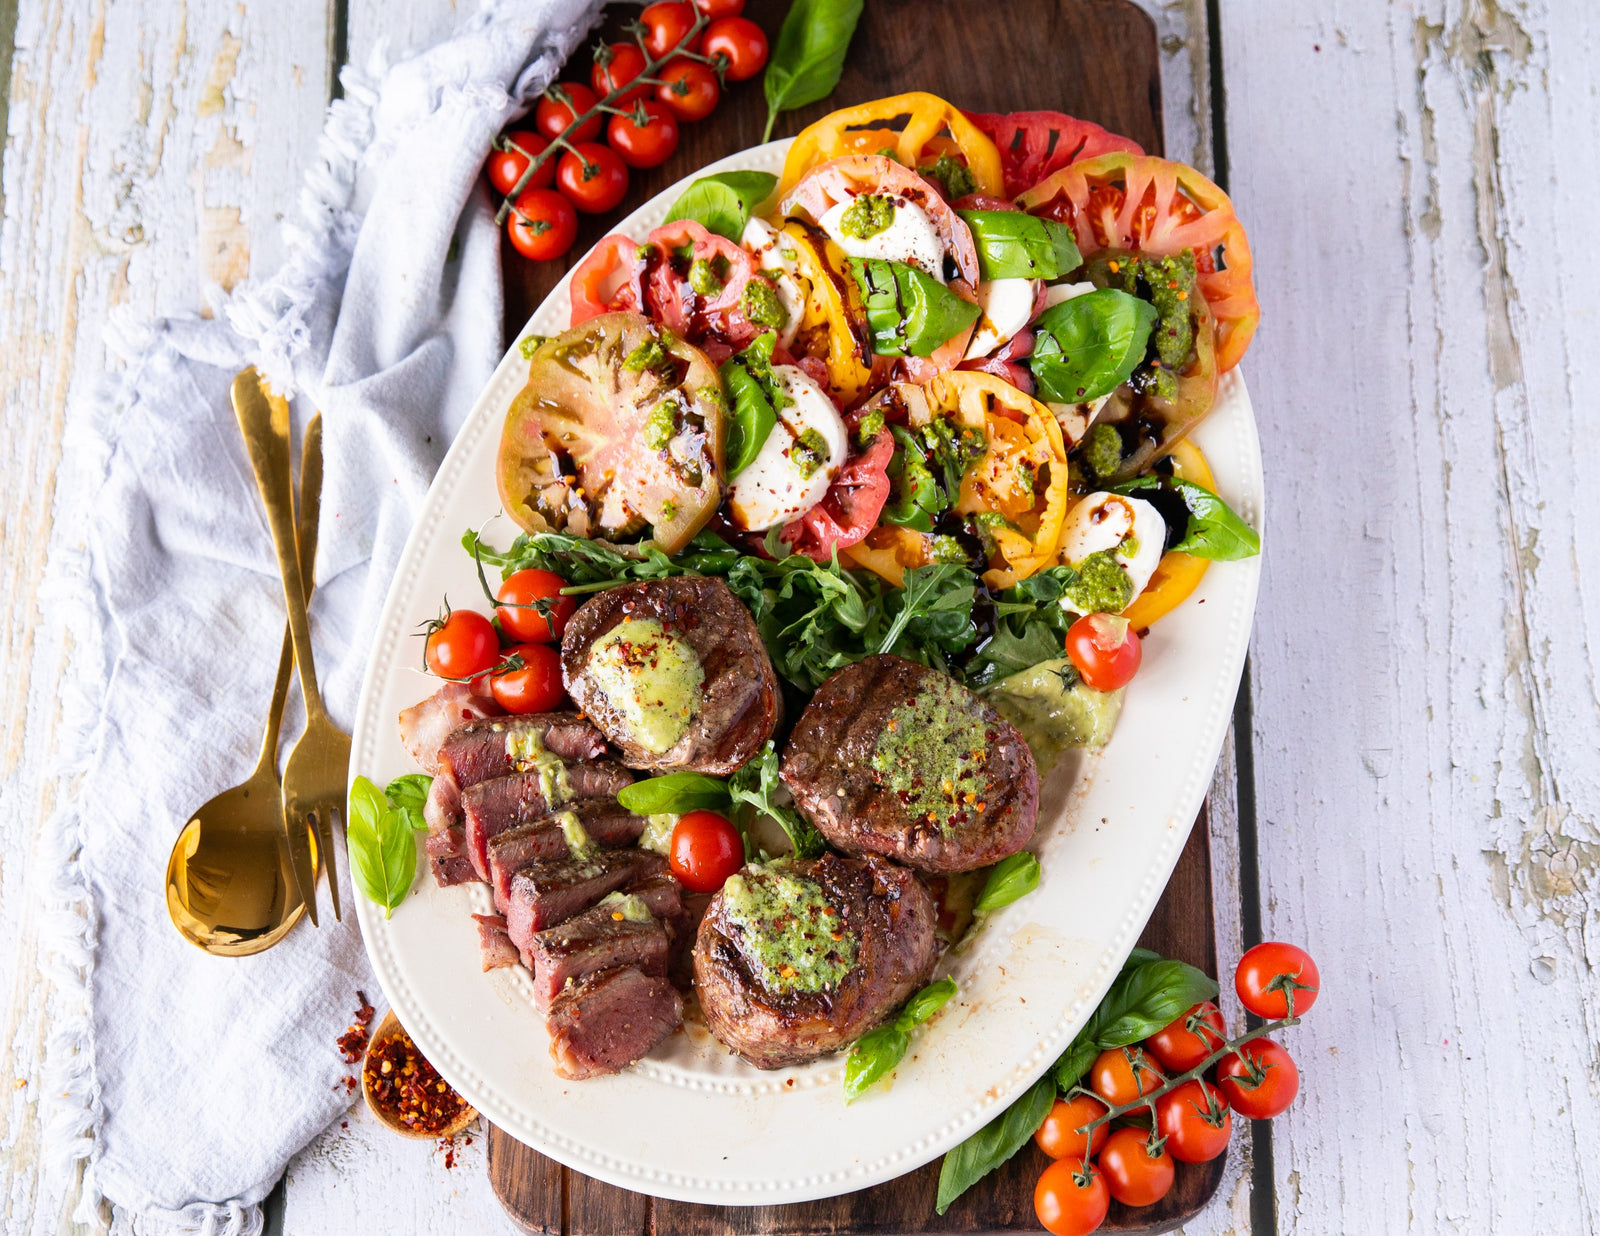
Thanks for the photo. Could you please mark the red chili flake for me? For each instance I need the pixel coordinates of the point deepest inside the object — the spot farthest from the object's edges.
(401, 1081)
(352, 1043)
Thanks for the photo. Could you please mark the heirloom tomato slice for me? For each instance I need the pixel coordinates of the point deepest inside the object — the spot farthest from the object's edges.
(693, 281)
(607, 279)
(1176, 575)
(833, 327)
(851, 506)
(1032, 145)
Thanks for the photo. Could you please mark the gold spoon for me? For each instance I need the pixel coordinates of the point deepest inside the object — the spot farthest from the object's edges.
(231, 888)
(388, 1028)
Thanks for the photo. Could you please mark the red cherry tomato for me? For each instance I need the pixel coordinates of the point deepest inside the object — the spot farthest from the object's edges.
(1058, 1136)
(461, 645)
(1188, 1040)
(506, 166)
(1259, 1080)
(1105, 650)
(593, 177)
(551, 117)
(714, 9)
(742, 42)
(689, 88)
(1134, 1176)
(542, 224)
(1260, 969)
(1120, 1075)
(648, 144)
(532, 609)
(1070, 1202)
(1195, 1121)
(623, 63)
(534, 685)
(665, 24)
(705, 850)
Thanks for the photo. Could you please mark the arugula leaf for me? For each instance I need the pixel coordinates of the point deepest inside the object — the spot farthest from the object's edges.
(808, 55)
(934, 607)
(382, 846)
(1015, 245)
(909, 312)
(996, 1142)
(675, 794)
(1006, 653)
(1012, 878)
(722, 202)
(1213, 530)
(1087, 346)
(757, 783)
(878, 1051)
(408, 795)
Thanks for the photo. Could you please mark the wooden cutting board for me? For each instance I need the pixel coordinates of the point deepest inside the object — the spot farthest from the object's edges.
(1097, 59)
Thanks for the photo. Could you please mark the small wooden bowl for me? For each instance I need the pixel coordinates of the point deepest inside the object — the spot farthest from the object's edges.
(387, 1029)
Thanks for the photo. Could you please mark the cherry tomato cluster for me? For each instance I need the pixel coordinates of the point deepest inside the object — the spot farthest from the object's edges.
(1163, 1109)
(637, 95)
(514, 661)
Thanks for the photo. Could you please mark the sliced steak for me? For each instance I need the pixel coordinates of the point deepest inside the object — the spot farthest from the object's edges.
(607, 823)
(609, 1020)
(496, 746)
(896, 759)
(619, 931)
(491, 807)
(494, 942)
(798, 959)
(674, 672)
(544, 894)
(663, 897)
(452, 869)
(425, 725)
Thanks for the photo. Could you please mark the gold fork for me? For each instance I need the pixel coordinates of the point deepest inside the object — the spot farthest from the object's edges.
(315, 777)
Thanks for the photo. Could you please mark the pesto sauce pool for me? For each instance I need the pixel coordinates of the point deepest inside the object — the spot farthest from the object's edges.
(792, 936)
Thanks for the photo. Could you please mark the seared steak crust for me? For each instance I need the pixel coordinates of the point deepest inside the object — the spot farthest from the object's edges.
(892, 917)
(740, 701)
(957, 789)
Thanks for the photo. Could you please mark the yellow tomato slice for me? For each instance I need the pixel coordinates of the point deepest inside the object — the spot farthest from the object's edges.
(1176, 575)
(889, 551)
(833, 326)
(863, 129)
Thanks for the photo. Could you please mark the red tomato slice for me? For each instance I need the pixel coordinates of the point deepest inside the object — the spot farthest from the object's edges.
(670, 300)
(606, 280)
(851, 506)
(1034, 144)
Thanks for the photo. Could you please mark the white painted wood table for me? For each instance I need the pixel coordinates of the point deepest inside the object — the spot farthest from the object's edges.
(1418, 779)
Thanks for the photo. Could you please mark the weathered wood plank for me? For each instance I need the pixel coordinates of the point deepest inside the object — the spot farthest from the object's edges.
(1425, 661)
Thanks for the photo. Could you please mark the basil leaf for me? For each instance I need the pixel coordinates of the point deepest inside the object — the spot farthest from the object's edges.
(808, 55)
(1075, 1061)
(1138, 956)
(1148, 999)
(872, 1056)
(1087, 346)
(926, 1003)
(909, 312)
(1213, 530)
(1013, 877)
(757, 783)
(408, 795)
(674, 794)
(1015, 245)
(722, 202)
(756, 399)
(914, 498)
(996, 1142)
(381, 845)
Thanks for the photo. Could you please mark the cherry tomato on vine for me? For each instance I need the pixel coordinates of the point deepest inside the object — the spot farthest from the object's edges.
(593, 177)
(534, 685)
(1120, 1075)
(743, 43)
(541, 590)
(1259, 1080)
(689, 88)
(705, 850)
(551, 117)
(1177, 1048)
(1105, 650)
(1196, 1122)
(1259, 970)
(665, 25)
(1133, 1175)
(720, 8)
(505, 167)
(542, 224)
(1070, 1202)
(461, 645)
(1058, 1136)
(645, 145)
(614, 69)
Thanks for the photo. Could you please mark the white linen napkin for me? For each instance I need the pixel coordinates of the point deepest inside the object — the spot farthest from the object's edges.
(187, 1082)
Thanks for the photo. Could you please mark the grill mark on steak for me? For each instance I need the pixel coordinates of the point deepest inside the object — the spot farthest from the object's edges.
(491, 807)
(609, 1020)
(740, 705)
(827, 767)
(542, 840)
(892, 916)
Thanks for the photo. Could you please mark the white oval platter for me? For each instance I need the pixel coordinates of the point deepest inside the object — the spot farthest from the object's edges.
(692, 1122)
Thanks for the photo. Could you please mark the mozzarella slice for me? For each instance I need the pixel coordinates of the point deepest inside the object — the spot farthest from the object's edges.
(1058, 292)
(911, 237)
(1130, 529)
(773, 489)
(1007, 306)
(764, 241)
